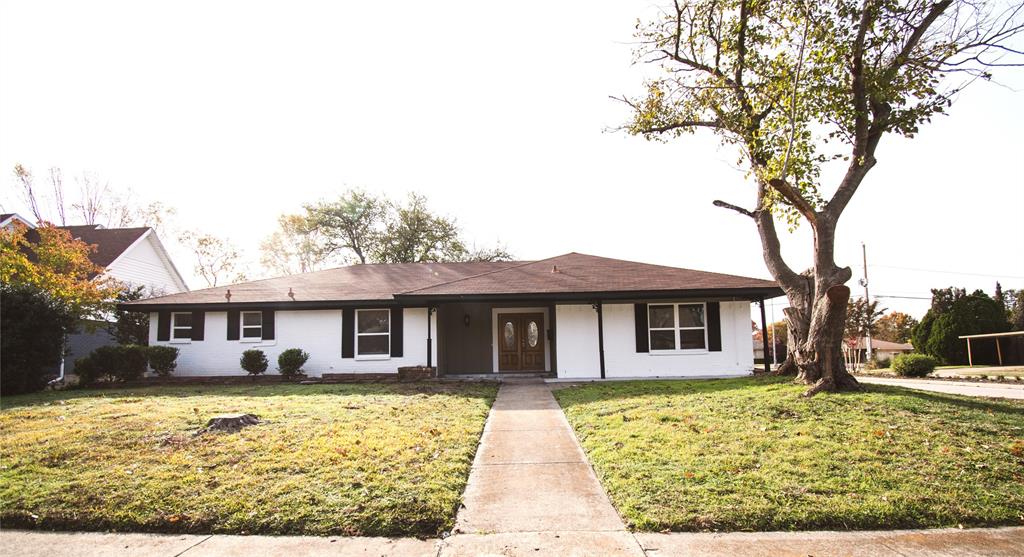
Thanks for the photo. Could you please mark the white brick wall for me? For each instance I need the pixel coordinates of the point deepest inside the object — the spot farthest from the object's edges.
(577, 354)
(315, 331)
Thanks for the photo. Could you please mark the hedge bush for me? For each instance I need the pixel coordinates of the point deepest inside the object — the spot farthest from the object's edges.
(163, 359)
(88, 371)
(112, 363)
(913, 365)
(133, 362)
(290, 362)
(254, 361)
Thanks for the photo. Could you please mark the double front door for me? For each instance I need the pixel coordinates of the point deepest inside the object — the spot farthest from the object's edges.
(520, 342)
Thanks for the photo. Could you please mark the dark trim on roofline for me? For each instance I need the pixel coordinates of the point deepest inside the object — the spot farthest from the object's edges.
(751, 294)
(422, 301)
(225, 306)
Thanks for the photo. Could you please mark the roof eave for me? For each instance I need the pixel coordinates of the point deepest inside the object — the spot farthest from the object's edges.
(750, 293)
(420, 300)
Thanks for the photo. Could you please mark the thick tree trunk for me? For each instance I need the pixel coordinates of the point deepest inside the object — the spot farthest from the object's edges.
(817, 312)
(821, 364)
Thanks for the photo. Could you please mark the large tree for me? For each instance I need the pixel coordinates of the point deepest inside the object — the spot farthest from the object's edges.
(47, 286)
(862, 318)
(217, 260)
(297, 246)
(895, 327)
(363, 228)
(796, 85)
(350, 226)
(955, 313)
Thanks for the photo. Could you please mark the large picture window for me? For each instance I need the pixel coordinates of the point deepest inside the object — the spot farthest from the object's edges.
(181, 326)
(252, 325)
(373, 333)
(676, 327)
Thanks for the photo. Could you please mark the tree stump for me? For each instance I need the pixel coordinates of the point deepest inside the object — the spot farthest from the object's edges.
(229, 422)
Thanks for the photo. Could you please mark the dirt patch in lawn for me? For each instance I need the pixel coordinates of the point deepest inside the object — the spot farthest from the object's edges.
(366, 459)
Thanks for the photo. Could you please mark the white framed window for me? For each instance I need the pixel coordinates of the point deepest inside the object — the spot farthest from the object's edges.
(677, 327)
(373, 334)
(181, 327)
(252, 326)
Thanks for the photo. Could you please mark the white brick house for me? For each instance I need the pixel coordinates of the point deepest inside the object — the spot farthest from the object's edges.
(571, 316)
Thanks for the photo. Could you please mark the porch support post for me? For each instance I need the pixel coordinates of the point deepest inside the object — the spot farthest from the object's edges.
(999, 352)
(970, 361)
(430, 339)
(600, 336)
(764, 338)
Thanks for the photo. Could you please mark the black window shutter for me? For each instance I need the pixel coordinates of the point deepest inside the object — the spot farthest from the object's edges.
(163, 325)
(714, 328)
(198, 325)
(348, 333)
(233, 324)
(642, 340)
(396, 332)
(268, 324)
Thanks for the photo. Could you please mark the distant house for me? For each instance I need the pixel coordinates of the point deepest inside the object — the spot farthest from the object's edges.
(133, 256)
(8, 220)
(573, 316)
(882, 349)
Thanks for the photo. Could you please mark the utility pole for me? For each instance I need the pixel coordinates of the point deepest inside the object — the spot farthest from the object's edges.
(867, 300)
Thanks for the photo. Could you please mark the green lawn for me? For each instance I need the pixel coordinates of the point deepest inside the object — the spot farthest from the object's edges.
(752, 454)
(367, 459)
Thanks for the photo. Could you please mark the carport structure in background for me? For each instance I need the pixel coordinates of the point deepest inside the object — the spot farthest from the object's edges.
(996, 336)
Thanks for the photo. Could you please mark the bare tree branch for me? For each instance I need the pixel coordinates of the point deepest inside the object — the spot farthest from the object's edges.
(737, 208)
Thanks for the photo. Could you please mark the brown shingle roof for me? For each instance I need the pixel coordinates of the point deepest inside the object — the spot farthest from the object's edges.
(110, 242)
(575, 274)
(579, 273)
(351, 283)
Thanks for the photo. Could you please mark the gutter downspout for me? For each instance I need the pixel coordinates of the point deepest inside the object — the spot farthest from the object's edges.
(430, 340)
(63, 348)
(764, 339)
(600, 336)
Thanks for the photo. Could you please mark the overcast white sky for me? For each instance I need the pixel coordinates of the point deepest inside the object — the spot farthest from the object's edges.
(235, 112)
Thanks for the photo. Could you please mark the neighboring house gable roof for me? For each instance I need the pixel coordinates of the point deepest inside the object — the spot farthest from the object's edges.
(112, 245)
(574, 275)
(7, 218)
(110, 242)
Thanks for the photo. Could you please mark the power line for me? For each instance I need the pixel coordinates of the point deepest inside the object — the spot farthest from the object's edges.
(947, 272)
(904, 297)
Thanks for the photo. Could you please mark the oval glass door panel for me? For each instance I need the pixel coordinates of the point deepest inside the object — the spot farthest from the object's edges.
(510, 335)
(532, 334)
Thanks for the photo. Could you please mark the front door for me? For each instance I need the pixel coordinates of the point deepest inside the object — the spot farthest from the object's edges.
(520, 342)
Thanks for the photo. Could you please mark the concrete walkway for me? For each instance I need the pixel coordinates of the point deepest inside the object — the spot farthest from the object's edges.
(969, 388)
(531, 486)
(989, 542)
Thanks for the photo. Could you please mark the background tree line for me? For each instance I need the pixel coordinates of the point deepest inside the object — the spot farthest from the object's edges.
(953, 313)
(354, 228)
(359, 228)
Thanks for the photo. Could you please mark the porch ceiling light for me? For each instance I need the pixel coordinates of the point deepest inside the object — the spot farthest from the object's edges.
(465, 319)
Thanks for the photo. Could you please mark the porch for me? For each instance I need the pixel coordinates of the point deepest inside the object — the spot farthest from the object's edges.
(495, 340)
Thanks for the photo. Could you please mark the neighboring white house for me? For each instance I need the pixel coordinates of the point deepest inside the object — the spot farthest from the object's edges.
(9, 220)
(133, 256)
(572, 316)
